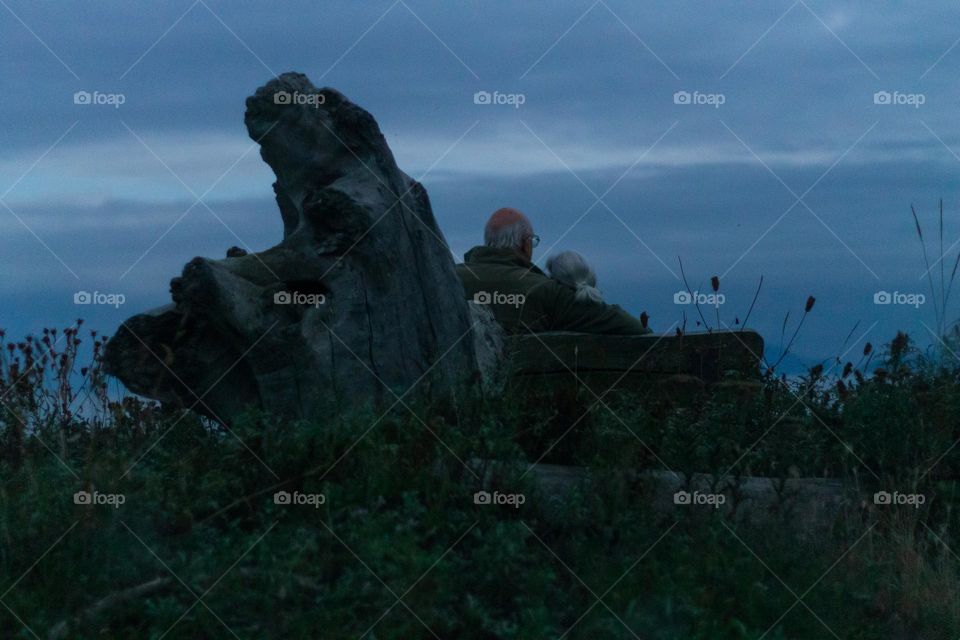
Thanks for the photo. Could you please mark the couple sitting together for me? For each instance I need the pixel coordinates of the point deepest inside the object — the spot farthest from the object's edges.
(523, 298)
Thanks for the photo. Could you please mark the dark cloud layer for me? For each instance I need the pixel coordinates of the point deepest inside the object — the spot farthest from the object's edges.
(598, 79)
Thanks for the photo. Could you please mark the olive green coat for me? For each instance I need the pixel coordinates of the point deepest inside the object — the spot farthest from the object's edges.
(525, 300)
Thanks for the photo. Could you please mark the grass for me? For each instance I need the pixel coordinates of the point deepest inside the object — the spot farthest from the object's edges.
(398, 549)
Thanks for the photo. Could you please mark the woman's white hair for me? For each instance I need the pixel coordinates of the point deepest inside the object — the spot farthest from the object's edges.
(570, 268)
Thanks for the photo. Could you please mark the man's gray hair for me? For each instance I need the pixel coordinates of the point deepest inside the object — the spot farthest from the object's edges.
(570, 268)
(510, 236)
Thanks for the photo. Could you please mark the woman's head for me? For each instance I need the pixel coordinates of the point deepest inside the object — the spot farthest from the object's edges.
(570, 268)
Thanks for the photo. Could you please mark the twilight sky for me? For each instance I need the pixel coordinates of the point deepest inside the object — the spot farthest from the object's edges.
(775, 138)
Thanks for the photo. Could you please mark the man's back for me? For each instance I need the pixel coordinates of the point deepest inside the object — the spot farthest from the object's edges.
(524, 300)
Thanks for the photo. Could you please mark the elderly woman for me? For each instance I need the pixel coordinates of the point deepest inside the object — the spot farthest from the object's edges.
(570, 268)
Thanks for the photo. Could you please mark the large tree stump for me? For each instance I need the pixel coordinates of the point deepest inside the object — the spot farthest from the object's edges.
(358, 302)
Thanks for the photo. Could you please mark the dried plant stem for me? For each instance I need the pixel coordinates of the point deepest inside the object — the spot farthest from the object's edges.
(783, 354)
(692, 297)
(750, 310)
(926, 262)
(943, 295)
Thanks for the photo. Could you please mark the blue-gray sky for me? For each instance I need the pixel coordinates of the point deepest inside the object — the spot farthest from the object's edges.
(103, 198)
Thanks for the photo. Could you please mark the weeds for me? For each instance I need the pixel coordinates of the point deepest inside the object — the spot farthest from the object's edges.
(399, 545)
(941, 297)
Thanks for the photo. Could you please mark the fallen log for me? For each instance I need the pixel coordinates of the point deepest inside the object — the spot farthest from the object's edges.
(808, 506)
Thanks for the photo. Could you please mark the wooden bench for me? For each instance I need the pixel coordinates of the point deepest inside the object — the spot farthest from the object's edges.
(558, 378)
(561, 358)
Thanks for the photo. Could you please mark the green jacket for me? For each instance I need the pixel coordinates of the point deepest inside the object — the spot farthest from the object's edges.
(525, 300)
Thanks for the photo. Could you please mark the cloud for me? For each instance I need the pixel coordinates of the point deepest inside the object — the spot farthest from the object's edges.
(598, 94)
(122, 167)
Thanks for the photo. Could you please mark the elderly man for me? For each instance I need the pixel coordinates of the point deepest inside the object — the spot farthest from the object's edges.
(523, 299)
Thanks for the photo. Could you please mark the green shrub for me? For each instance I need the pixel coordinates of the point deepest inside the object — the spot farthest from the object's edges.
(399, 549)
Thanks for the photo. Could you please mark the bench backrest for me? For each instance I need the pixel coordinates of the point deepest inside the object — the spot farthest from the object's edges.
(709, 356)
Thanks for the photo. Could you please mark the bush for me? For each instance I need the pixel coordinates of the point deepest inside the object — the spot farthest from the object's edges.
(398, 548)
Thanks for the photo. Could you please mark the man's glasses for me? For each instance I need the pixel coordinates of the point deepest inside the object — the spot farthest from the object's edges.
(534, 241)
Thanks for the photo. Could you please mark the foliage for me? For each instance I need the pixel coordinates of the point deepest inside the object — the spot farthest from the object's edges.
(199, 548)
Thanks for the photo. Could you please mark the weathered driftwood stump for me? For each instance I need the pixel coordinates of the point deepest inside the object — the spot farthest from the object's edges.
(358, 301)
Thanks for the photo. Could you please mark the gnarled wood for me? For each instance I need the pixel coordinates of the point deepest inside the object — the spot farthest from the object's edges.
(358, 302)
